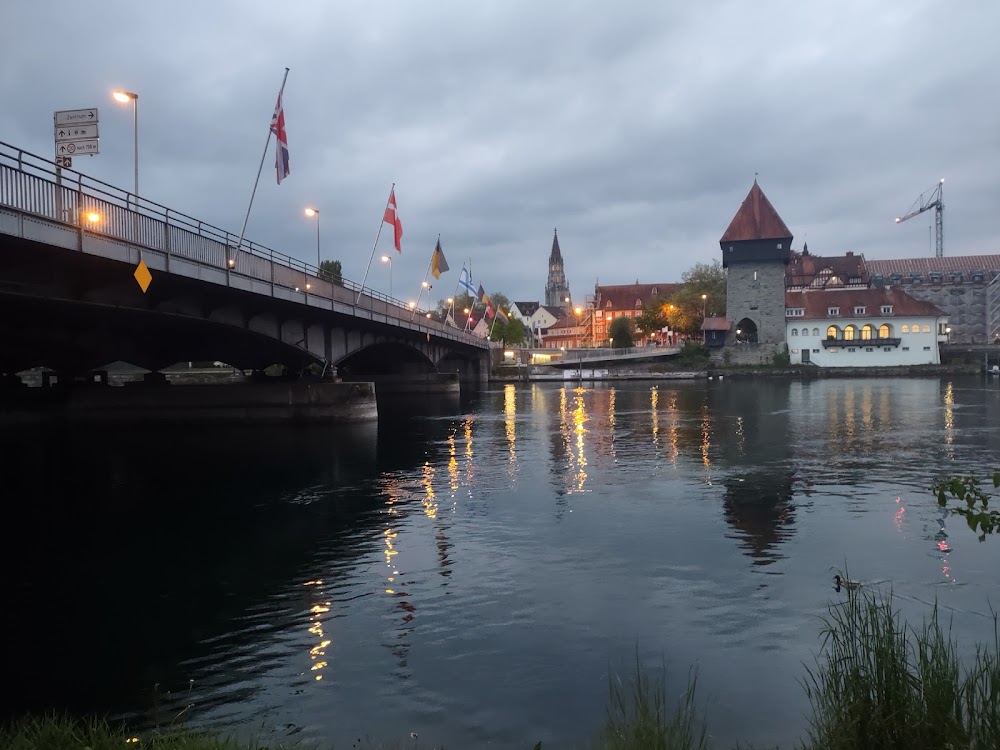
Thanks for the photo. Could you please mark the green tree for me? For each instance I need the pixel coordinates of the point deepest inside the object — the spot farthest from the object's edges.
(620, 333)
(331, 271)
(684, 309)
(652, 319)
(512, 332)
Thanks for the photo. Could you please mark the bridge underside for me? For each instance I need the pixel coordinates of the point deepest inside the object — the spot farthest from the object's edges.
(76, 312)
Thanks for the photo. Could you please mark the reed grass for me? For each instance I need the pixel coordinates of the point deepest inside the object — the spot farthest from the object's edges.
(880, 684)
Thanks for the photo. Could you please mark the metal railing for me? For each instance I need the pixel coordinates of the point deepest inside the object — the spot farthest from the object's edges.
(33, 185)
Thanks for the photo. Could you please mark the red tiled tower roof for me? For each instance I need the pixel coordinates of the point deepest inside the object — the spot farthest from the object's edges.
(756, 220)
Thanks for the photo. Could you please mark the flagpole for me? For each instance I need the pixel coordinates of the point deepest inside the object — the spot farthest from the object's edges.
(494, 323)
(472, 307)
(377, 235)
(420, 293)
(259, 170)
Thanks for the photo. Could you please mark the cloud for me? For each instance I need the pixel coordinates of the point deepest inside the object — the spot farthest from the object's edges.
(635, 128)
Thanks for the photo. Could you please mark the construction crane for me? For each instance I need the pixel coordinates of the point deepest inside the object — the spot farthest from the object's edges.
(933, 200)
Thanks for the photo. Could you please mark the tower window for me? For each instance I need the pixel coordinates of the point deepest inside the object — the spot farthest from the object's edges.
(755, 273)
(779, 246)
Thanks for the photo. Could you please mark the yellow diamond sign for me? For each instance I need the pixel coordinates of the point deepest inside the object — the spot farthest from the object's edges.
(143, 276)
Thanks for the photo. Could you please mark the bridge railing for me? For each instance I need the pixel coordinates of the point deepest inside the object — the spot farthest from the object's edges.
(34, 185)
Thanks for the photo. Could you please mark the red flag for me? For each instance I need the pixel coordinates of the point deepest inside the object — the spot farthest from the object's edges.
(391, 217)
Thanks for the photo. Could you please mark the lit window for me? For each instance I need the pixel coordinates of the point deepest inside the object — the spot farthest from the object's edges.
(608, 305)
(779, 246)
(755, 273)
(849, 333)
(883, 331)
(905, 328)
(831, 332)
(915, 328)
(926, 328)
(866, 332)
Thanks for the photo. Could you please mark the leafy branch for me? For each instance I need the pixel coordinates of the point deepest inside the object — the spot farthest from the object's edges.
(976, 510)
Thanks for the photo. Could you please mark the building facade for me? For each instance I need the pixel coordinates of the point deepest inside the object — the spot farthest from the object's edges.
(624, 301)
(862, 327)
(556, 289)
(755, 247)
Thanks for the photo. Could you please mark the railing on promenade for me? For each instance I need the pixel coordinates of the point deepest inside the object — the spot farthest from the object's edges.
(33, 185)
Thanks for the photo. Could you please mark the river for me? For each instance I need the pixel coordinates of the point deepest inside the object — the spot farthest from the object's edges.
(475, 573)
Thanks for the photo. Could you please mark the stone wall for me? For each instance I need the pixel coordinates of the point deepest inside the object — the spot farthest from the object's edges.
(756, 291)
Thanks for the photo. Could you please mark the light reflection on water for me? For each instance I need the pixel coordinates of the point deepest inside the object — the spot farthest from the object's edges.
(471, 575)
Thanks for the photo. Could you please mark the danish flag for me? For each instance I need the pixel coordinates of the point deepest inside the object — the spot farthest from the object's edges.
(391, 217)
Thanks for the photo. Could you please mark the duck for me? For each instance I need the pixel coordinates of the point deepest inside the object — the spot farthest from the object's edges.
(843, 582)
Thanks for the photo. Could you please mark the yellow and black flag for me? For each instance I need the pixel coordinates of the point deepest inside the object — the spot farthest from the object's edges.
(438, 264)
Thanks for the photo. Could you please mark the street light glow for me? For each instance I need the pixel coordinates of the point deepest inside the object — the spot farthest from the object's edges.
(93, 217)
(451, 300)
(413, 305)
(386, 259)
(312, 211)
(425, 285)
(123, 96)
(579, 310)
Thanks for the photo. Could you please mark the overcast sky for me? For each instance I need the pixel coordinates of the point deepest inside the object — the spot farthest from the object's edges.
(634, 126)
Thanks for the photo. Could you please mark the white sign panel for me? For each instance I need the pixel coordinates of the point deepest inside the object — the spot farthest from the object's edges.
(76, 116)
(75, 132)
(76, 148)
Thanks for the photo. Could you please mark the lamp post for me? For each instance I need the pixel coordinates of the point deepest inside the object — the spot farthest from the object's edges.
(388, 259)
(315, 212)
(704, 307)
(124, 97)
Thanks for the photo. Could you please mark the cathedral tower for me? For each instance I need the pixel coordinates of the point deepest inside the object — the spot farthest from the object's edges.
(556, 289)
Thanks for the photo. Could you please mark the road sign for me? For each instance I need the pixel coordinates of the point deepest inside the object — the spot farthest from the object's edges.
(76, 148)
(65, 162)
(75, 132)
(143, 276)
(76, 116)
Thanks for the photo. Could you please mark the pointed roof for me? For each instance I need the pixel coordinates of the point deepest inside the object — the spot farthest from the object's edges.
(756, 220)
(555, 255)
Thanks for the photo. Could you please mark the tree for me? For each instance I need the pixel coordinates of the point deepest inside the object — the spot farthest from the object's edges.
(652, 319)
(684, 309)
(512, 332)
(331, 271)
(620, 333)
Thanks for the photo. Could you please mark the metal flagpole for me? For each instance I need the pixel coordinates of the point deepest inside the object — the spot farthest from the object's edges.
(259, 170)
(468, 318)
(493, 324)
(422, 284)
(377, 235)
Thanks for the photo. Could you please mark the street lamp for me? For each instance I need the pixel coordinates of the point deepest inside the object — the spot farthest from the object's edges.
(315, 212)
(704, 305)
(124, 97)
(388, 259)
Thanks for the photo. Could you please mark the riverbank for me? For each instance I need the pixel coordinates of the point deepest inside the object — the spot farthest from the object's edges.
(712, 372)
(878, 683)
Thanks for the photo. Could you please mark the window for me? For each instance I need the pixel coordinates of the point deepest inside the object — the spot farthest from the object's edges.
(905, 328)
(906, 348)
(852, 349)
(887, 348)
(883, 331)
(831, 332)
(779, 246)
(869, 349)
(795, 331)
(849, 332)
(608, 305)
(927, 348)
(654, 291)
(816, 333)
(866, 332)
(755, 273)
(859, 310)
(815, 351)
(795, 312)
(887, 309)
(831, 311)
(915, 328)
(638, 304)
(926, 328)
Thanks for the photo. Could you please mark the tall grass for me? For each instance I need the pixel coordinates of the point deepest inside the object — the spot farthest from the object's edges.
(638, 716)
(880, 684)
(64, 733)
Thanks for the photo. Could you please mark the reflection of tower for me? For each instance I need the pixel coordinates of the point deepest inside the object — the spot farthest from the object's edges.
(556, 289)
(751, 434)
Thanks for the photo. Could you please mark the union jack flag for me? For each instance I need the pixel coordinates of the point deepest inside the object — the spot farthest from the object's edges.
(281, 145)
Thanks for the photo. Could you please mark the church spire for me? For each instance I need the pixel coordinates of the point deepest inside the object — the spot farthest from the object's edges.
(556, 255)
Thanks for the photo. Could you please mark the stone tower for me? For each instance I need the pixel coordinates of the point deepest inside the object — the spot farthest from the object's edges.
(556, 288)
(755, 250)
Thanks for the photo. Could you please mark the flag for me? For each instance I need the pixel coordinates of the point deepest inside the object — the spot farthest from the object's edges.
(502, 316)
(486, 301)
(481, 294)
(465, 282)
(391, 217)
(450, 318)
(481, 328)
(438, 264)
(281, 141)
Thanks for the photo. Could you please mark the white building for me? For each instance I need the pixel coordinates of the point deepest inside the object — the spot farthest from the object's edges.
(857, 327)
(536, 317)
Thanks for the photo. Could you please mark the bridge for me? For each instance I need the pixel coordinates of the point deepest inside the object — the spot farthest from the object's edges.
(69, 245)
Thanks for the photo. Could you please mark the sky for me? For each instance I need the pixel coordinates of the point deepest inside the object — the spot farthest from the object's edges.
(634, 127)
